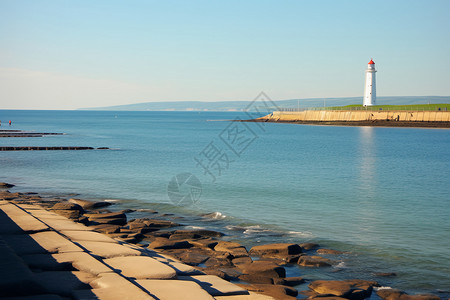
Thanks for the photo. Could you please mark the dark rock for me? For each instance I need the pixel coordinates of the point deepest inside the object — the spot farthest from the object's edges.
(4, 185)
(353, 289)
(162, 243)
(387, 274)
(276, 250)
(314, 261)
(219, 260)
(309, 246)
(394, 294)
(289, 281)
(255, 278)
(67, 206)
(86, 204)
(194, 234)
(193, 257)
(127, 211)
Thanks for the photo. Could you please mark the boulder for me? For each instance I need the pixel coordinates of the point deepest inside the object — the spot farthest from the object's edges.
(157, 223)
(163, 243)
(354, 289)
(289, 281)
(263, 268)
(194, 234)
(106, 228)
(193, 257)
(86, 204)
(70, 214)
(309, 246)
(394, 294)
(4, 185)
(276, 250)
(67, 206)
(313, 261)
(329, 251)
(235, 249)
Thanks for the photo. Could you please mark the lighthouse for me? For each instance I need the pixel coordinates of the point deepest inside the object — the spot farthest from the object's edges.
(370, 92)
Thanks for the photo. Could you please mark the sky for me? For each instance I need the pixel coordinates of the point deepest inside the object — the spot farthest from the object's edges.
(60, 54)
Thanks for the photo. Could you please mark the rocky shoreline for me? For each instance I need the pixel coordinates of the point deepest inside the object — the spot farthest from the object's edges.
(261, 269)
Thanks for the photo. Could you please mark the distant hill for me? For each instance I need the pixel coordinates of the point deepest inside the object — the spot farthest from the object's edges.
(241, 105)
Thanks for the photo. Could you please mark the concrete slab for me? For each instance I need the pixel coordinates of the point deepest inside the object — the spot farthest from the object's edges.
(111, 286)
(54, 242)
(174, 289)
(63, 224)
(23, 244)
(45, 214)
(87, 236)
(216, 286)
(82, 261)
(45, 262)
(251, 296)
(64, 282)
(108, 250)
(16, 279)
(24, 220)
(141, 267)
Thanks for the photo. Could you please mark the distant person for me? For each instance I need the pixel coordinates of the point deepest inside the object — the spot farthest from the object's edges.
(9, 122)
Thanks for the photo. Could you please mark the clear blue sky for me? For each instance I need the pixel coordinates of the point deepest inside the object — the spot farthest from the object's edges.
(59, 54)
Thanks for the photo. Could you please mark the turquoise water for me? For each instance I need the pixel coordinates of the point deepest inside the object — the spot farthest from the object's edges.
(381, 194)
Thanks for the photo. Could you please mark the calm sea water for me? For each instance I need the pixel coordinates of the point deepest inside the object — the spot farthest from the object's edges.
(380, 194)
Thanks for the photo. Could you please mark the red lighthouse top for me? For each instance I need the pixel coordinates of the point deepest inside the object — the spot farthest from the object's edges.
(371, 62)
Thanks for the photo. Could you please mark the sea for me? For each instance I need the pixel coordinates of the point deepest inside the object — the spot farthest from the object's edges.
(378, 194)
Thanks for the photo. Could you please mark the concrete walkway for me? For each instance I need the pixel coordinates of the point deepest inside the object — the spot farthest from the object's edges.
(46, 256)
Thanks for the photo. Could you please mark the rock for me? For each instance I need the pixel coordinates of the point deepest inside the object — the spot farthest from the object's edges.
(242, 260)
(106, 228)
(385, 274)
(353, 289)
(140, 227)
(204, 243)
(193, 257)
(219, 261)
(4, 185)
(157, 223)
(235, 249)
(263, 268)
(394, 294)
(309, 246)
(289, 281)
(70, 214)
(111, 215)
(162, 243)
(255, 278)
(195, 234)
(313, 261)
(329, 251)
(86, 204)
(279, 250)
(67, 206)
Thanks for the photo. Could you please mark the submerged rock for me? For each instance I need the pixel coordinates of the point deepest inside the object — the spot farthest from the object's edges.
(354, 289)
(314, 261)
(4, 185)
(87, 204)
(394, 294)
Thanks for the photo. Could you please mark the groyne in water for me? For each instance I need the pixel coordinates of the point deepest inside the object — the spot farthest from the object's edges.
(27, 148)
(362, 118)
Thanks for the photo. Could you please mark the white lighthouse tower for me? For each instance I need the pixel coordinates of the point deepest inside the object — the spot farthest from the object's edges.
(370, 91)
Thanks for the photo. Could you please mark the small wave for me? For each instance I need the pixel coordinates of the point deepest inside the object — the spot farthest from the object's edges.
(341, 265)
(112, 200)
(195, 227)
(382, 288)
(302, 234)
(215, 215)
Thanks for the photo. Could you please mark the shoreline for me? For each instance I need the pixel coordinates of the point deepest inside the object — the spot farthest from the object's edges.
(373, 123)
(260, 269)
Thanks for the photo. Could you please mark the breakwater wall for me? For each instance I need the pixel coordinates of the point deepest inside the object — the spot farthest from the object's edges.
(348, 115)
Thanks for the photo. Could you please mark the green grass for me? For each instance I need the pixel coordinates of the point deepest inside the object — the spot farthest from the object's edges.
(414, 107)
